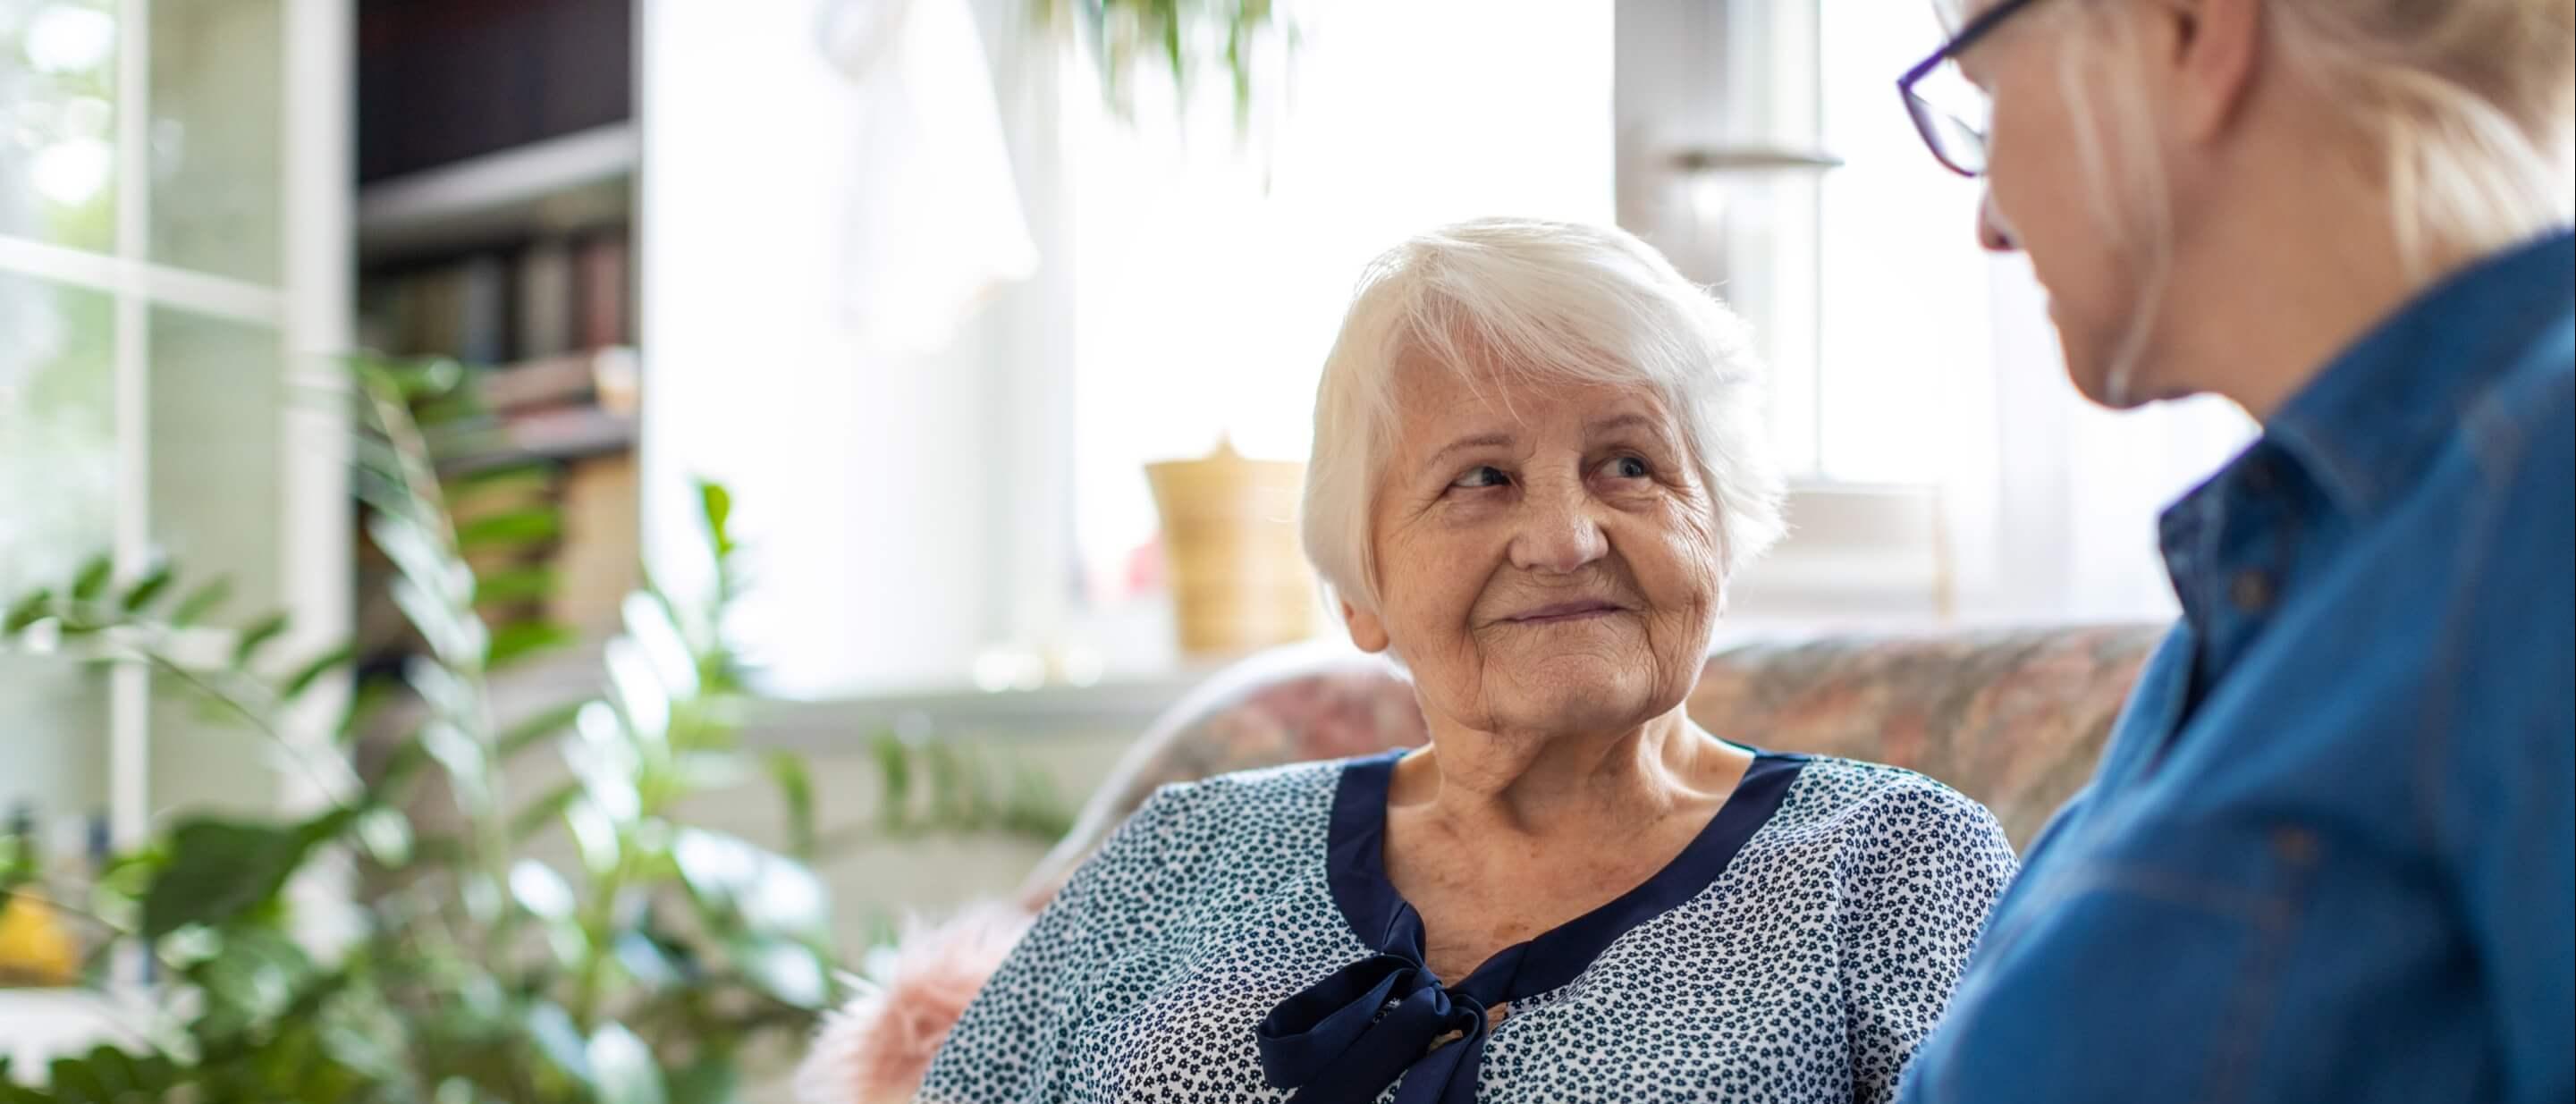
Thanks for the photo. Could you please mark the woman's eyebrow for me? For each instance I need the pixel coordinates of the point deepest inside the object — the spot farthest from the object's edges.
(1616, 422)
(1481, 440)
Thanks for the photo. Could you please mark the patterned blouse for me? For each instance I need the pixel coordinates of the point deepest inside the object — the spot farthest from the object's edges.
(1237, 940)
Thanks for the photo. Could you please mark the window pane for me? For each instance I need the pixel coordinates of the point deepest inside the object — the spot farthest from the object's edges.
(1210, 290)
(57, 510)
(215, 141)
(216, 401)
(216, 405)
(57, 431)
(58, 121)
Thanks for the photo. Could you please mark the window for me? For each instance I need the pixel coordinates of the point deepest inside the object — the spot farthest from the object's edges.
(1205, 303)
(151, 284)
(981, 515)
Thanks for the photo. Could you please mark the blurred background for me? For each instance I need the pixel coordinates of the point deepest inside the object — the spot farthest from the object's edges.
(997, 321)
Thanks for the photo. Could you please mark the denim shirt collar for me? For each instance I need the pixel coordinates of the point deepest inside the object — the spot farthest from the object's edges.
(2367, 425)
(2371, 422)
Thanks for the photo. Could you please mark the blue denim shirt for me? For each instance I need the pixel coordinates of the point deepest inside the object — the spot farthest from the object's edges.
(2330, 852)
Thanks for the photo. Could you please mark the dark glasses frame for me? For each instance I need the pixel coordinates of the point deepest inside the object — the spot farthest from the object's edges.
(1930, 121)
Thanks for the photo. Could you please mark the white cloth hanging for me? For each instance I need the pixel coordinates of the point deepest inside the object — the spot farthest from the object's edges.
(934, 223)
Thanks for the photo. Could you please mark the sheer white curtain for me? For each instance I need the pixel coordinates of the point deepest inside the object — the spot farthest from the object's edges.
(2052, 511)
(1936, 365)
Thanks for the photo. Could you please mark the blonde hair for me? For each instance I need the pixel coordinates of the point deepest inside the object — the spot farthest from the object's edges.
(2466, 108)
(1546, 302)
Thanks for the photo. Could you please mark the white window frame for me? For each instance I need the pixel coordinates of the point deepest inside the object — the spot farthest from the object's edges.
(307, 308)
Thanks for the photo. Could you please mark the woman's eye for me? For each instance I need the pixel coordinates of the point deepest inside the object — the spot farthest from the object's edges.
(1487, 476)
(1629, 467)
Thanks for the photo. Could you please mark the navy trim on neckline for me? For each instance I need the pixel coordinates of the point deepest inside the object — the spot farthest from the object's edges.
(1385, 922)
(1387, 1018)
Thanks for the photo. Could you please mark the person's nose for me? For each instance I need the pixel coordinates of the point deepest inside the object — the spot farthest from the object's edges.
(1992, 232)
(1558, 532)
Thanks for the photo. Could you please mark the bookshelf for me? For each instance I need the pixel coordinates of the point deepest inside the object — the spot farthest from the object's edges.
(550, 185)
(498, 159)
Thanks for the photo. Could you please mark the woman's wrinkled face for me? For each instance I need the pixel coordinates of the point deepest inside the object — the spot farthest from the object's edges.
(1547, 560)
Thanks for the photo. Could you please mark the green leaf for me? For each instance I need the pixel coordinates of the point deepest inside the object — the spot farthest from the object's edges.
(520, 640)
(29, 610)
(541, 891)
(771, 893)
(386, 835)
(218, 870)
(535, 815)
(455, 635)
(796, 792)
(715, 504)
(257, 636)
(512, 529)
(419, 554)
(641, 697)
(304, 677)
(595, 836)
(894, 763)
(646, 961)
(370, 696)
(201, 602)
(71, 1078)
(699, 771)
(456, 750)
(558, 1039)
(655, 629)
(256, 974)
(712, 1079)
(622, 1069)
(92, 580)
(525, 734)
(518, 584)
(147, 588)
(782, 968)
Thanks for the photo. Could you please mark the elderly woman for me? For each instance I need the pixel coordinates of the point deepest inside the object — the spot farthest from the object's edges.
(2331, 850)
(1534, 469)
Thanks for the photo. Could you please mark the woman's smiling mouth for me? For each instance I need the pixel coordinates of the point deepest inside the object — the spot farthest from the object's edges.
(1563, 612)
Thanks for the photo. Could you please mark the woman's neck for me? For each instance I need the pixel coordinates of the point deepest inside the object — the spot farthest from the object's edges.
(1499, 786)
(2287, 266)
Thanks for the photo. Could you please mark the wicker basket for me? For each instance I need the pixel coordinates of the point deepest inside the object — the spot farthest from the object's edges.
(1239, 579)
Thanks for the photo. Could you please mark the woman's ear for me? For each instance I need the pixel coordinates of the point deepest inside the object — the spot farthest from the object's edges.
(2210, 50)
(1367, 632)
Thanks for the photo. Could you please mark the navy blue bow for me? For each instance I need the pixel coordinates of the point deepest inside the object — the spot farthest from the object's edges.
(1346, 1038)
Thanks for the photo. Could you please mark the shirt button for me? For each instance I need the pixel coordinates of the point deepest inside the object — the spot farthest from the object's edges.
(2295, 845)
(2251, 591)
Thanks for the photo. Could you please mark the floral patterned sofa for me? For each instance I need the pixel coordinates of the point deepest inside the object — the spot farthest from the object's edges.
(2014, 719)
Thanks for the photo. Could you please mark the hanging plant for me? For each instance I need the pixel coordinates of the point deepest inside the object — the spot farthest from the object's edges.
(1189, 38)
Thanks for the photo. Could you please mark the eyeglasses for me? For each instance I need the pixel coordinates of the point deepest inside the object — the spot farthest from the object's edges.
(1955, 128)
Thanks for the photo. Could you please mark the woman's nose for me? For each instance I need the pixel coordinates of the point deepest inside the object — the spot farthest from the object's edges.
(1991, 230)
(1558, 534)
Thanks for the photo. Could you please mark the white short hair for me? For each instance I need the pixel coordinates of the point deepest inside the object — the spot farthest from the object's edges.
(1548, 302)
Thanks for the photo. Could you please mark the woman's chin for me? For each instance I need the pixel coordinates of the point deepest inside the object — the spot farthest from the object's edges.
(1579, 693)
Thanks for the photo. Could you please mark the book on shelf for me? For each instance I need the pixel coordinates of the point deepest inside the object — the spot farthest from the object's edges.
(482, 310)
(574, 431)
(605, 282)
(601, 377)
(596, 564)
(545, 300)
(547, 297)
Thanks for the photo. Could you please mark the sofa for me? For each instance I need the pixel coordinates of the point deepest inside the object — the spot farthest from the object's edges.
(2014, 719)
